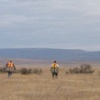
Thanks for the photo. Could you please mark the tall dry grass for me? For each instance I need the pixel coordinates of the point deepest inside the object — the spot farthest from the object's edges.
(43, 87)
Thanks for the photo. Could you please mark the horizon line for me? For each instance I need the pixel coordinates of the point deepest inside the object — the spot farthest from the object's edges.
(50, 48)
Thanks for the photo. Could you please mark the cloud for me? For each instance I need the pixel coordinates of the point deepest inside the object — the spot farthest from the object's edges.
(51, 22)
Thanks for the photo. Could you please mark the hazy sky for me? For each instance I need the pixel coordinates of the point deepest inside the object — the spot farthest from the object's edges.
(68, 24)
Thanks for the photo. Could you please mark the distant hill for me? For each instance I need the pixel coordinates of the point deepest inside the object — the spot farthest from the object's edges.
(51, 54)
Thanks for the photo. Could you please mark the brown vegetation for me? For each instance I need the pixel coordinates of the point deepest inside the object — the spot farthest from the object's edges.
(30, 71)
(43, 87)
(84, 68)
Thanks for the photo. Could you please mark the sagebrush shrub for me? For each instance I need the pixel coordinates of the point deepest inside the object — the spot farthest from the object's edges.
(84, 68)
(30, 71)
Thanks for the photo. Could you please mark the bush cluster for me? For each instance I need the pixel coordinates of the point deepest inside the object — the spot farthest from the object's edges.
(23, 70)
(30, 71)
(3, 69)
(84, 68)
(37, 71)
(26, 71)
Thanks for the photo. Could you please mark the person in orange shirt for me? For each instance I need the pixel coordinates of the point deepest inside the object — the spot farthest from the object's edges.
(54, 69)
(10, 66)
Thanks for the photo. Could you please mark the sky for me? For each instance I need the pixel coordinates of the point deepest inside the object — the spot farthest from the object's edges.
(61, 24)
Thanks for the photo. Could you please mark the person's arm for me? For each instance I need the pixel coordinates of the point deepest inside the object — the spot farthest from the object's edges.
(51, 68)
(14, 67)
(57, 65)
(6, 65)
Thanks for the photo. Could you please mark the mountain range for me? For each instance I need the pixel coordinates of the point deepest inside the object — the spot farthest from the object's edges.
(51, 54)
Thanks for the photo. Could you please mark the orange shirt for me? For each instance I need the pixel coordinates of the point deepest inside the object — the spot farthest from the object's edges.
(10, 64)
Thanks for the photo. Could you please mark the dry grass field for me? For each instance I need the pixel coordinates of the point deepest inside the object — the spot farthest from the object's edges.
(44, 87)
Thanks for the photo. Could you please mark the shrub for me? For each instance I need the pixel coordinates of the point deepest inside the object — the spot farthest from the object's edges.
(67, 72)
(22, 70)
(30, 71)
(84, 68)
(37, 71)
(26, 71)
(3, 69)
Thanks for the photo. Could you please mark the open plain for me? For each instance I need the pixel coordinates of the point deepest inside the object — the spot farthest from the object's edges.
(44, 87)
